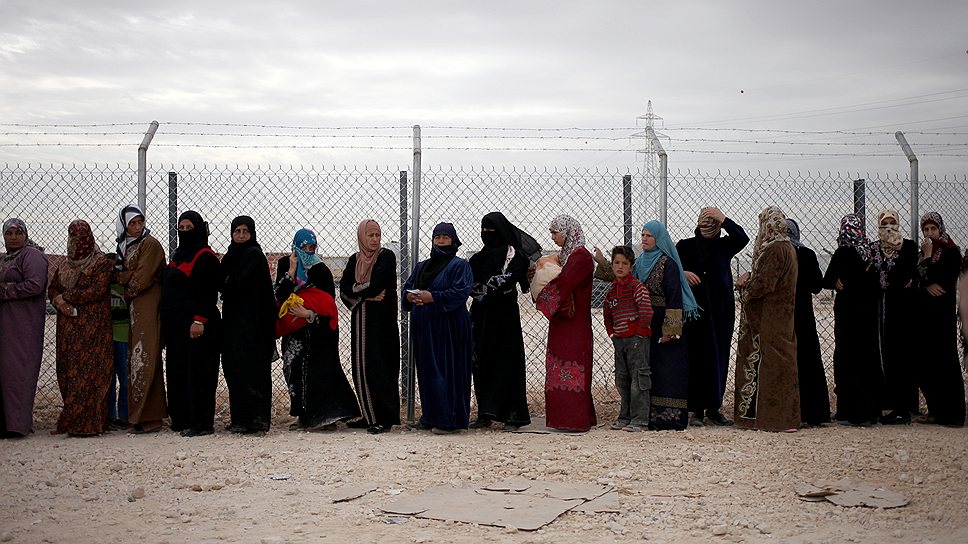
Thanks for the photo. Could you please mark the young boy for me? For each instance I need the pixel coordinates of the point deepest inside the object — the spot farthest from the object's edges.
(628, 317)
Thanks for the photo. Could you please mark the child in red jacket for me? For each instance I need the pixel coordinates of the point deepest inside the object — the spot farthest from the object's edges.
(628, 314)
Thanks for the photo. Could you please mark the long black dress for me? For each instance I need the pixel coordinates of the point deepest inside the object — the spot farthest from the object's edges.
(248, 338)
(939, 374)
(709, 338)
(858, 378)
(898, 281)
(189, 292)
(499, 372)
(319, 393)
(814, 394)
(375, 339)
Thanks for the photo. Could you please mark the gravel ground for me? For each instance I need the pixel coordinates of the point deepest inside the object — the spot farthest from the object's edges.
(704, 485)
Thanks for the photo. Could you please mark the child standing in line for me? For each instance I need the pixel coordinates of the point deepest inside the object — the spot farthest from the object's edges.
(628, 314)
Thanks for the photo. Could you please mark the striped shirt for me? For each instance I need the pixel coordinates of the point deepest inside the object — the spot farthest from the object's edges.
(628, 310)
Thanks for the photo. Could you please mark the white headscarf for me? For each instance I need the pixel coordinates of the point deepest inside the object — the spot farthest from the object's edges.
(127, 213)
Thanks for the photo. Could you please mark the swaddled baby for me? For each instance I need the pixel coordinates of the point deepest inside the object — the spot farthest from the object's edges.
(546, 269)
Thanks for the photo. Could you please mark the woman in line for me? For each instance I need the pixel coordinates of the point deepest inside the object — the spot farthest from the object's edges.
(897, 264)
(248, 329)
(23, 283)
(659, 269)
(767, 396)
(566, 301)
(369, 289)
(936, 345)
(319, 394)
(190, 327)
(499, 374)
(81, 292)
(858, 379)
(140, 262)
(705, 260)
(440, 327)
(814, 393)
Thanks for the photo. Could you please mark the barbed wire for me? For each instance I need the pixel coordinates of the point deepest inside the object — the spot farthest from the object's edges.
(775, 142)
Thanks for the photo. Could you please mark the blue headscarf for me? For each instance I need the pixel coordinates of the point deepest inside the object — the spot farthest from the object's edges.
(647, 260)
(305, 259)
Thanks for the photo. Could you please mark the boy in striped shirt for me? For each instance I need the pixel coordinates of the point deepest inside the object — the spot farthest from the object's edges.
(628, 317)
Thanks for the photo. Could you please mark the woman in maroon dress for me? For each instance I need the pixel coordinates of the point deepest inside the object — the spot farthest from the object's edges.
(566, 301)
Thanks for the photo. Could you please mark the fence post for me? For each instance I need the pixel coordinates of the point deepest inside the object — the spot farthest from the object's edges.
(415, 255)
(404, 273)
(627, 208)
(860, 200)
(663, 175)
(913, 159)
(172, 212)
(143, 166)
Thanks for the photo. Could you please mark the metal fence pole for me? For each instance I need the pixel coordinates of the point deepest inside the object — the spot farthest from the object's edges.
(860, 199)
(627, 208)
(172, 212)
(143, 165)
(404, 273)
(913, 159)
(415, 255)
(663, 175)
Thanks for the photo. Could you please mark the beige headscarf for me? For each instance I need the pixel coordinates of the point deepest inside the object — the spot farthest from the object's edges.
(365, 258)
(889, 235)
(773, 229)
(708, 227)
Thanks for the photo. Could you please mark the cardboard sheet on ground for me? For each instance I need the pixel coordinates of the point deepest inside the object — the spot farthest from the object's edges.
(350, 492)
(523, 504)
(847, 493)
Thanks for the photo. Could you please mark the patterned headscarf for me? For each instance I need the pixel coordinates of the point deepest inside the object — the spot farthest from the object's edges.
(82, 253)
(773, 229)
(365, 258)
(793, 232)
(124, 241)
(574, 236)
(304, 259)
(19, 224)
(647, 261)
(943, 241)
(852, 235)
(707, 226)
(889, 235)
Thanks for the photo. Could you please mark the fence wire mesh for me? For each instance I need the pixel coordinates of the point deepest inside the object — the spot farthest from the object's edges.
(331, 201)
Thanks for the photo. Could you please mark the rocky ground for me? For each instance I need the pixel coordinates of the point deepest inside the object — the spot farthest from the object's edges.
(703, 485)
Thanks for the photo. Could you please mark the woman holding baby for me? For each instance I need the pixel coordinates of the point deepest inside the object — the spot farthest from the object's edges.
(566, 302)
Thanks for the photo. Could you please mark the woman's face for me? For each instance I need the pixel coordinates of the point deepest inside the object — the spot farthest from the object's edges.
(648, 241)
(14, 239)
(372, 240)
(888, 220)
(241, 234)
(136, 226)
(930, 230)
(558, 238)
(186, 225)
(442, 240)
(309, 248)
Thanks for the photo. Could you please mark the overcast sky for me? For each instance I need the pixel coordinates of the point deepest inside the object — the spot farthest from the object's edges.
(872, 66)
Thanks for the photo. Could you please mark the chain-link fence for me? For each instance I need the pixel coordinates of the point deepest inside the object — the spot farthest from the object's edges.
(610, 204)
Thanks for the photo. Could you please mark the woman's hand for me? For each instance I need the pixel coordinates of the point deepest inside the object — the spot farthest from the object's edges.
(926, 247)
(378, 297)
(292, 263)
(742, 280)
(420, 298)
(300, 311)
(567, 307)
(839, 285)
(935, 290)
(666, 338)
(197, 330)
(692, 278)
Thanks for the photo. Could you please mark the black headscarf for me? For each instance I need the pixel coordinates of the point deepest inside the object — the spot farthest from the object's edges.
(496, 242)
(439, 256)
(235, 251)
(190, 241)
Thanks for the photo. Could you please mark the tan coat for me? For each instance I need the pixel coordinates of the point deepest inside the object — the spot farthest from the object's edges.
(767, 394)
(142, 289)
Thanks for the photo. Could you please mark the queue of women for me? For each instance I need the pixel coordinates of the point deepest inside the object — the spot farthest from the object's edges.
(670, 313)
